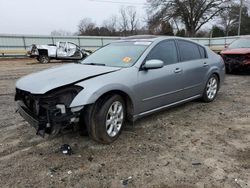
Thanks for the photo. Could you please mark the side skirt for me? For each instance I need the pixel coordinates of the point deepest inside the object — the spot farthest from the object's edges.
(138, 116)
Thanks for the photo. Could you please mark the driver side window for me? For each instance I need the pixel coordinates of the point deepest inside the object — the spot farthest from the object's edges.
(165, 51)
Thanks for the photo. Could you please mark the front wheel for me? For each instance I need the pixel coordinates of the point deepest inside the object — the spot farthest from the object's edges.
(107, 119)
(211, 89)
(43, 59)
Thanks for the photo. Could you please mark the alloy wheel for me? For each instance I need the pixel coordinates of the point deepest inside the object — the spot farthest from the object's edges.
(114, 118)
(212, 87)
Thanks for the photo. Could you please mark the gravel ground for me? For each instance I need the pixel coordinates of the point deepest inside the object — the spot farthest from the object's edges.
(192, 145)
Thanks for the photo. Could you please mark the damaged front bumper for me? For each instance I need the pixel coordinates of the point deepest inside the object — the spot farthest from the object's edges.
(32, 51)
(47, 115)
(51, 124)
(236, 61)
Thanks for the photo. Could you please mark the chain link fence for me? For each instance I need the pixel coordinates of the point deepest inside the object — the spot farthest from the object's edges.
(17, 45)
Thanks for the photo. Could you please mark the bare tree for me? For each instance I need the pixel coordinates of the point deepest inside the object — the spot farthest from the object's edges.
(192, 13)
(111, 24)
(133, 20)
(228, 19)
(129, 21)
(86, 26)
(123, 21)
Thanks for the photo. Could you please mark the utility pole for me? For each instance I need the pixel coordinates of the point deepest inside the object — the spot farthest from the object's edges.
(241, 4)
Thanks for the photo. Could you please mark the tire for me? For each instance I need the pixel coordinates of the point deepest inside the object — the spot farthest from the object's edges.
(211, 89)
(105, 119)
(43, 59)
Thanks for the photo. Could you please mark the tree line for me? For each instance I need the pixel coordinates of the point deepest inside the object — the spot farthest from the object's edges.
(192, 18)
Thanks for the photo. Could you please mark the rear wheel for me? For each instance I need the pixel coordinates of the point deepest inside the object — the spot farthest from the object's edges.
(106, 119)
(211, 89)
(43, 59)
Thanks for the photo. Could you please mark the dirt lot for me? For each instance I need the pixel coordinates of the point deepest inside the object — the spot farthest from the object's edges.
(193, 145)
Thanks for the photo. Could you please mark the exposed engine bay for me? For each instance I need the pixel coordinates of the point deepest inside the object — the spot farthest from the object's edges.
(49, 113)
(236, 61)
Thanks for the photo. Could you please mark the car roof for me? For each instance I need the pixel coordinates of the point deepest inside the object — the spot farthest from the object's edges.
(150, 38)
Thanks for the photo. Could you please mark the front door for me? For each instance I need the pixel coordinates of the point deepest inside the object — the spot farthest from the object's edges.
(62, 51)
(160, 87)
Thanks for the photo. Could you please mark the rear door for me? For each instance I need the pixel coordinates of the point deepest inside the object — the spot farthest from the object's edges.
(159, 87)
(195, 65)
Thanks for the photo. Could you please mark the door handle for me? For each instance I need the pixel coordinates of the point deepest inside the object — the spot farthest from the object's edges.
(205, 64)
(177, 70)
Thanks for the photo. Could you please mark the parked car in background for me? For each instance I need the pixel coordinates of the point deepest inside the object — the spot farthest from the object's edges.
(122, 81)
(59, 51)
(237, 55)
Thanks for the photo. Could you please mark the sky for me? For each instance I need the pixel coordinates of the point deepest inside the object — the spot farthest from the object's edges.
(40, 17)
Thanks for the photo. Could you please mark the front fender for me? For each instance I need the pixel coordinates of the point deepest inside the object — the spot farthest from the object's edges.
(90, 95)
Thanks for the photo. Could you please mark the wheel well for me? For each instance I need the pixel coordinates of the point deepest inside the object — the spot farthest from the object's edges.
(43, 52)
(218, 76)
(127, 100)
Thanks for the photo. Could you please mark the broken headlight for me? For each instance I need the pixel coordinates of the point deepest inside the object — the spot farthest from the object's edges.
(63, 95)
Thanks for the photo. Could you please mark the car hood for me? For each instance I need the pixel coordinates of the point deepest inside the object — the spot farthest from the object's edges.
(46, 80)
(235, 51)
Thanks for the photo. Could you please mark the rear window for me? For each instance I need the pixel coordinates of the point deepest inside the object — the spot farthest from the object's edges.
(203, 52)
(188, 51)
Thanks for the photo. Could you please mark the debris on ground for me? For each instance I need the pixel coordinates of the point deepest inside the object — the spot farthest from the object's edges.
(167, 163)
(241, 183)
(90, 158)
(53, 170)
(127, 180)
(66, 149)
(196, 163)
(69, 172)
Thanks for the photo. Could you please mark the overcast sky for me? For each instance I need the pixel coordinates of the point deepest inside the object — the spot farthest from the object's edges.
(44, 16)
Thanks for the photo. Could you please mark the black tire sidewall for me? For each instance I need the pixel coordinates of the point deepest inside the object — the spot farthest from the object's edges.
(100, 115)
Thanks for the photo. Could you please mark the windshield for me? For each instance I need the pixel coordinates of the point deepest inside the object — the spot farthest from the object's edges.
(121, 54)
(241, 43)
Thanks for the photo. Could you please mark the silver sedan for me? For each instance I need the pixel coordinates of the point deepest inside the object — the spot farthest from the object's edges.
(122, 81)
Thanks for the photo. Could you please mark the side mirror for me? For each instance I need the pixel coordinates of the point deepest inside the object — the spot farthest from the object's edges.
(153, 64)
